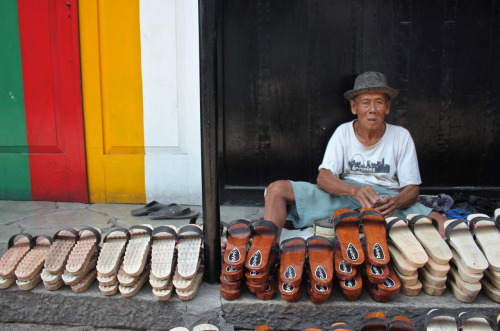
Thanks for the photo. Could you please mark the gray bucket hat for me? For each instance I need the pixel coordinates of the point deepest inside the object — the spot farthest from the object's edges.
(370, 81)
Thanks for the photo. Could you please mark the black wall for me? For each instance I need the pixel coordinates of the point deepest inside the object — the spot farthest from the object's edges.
(285, 64)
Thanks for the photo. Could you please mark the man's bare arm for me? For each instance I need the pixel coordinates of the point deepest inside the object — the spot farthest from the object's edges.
(406, 198)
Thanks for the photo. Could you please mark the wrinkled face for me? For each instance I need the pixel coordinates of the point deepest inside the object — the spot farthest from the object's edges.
(371, 109)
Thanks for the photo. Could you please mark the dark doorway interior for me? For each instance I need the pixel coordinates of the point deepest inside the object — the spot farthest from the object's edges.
(284, 66)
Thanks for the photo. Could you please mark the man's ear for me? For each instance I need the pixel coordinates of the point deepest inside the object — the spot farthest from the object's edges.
(388, 110)
(353, 106)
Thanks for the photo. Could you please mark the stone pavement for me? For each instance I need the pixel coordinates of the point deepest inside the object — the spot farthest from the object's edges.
(40, 309)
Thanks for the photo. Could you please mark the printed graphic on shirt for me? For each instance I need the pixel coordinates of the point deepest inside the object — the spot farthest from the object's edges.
(358, 163)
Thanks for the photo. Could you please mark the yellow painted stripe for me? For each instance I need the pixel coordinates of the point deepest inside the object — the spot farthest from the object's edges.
(112, 96)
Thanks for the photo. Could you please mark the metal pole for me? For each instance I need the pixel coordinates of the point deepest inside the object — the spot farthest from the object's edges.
(208, 14)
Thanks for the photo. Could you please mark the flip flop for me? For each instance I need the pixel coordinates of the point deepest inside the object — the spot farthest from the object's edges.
(346, 224)
(16, 251)
(343, 270)
(112, 251)
(162, 252)
(441, 320)
(270, 292)
(352, 288)
(490, 290)
(292, 260)
(376, 321)
(82, 251)
(238, 234)
(425, 230)
(460, 238)
(468, 289)
(436, 268)
(321, 260)
(411, 290)
(72, 279)
(85, 282)
(264, 236)
(405, 241)
(470, 277)
(487, 238)
(400, 262)
(149, 208)
(174, 211)
(164, 294)
(129, 291)
(190, 293)
(33, 261)
(137, 250)
(373, 227)
(56, 258)
(430, 279)
(188, 250)
(472, 321)
(401, 323)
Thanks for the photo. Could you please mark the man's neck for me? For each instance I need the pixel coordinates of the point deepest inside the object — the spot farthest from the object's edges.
(368, 137)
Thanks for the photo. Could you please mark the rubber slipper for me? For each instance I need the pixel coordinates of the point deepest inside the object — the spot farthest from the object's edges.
(490, 290)
(376, 321)
(292, 260)
(270, 292)
(264, 236)
(468, 289)
(487, 238)
(401, 323)
(174, 211)
(137, 251)
(188, 250)
(472, 321)
(431, 279)
(460, 238)
(162, 251)
(440, 320)
(425, 230)
(411, 290)
(464, 273)
(437, 268)
(164, 294)
(400, 262)
(320, 260)
(72, 279)
(373, 227)
(345, 222)
(405, 241)
(32, 263)
(128, 291)
(352, 288)
(85, 282)
(18, 246)
(190, 293)
(343, 270)
(238, 234)
(56, 258)
(261, 277)
(112, 251)
(149, 208)
(82, 251)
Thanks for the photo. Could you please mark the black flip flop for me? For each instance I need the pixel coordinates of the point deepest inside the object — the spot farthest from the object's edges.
(175, 211)
(149, 208)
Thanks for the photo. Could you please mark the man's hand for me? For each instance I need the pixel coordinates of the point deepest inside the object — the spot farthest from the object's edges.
(366, 196)
(386, 206)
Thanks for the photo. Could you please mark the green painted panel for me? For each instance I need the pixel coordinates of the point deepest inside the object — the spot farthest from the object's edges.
(14, 164)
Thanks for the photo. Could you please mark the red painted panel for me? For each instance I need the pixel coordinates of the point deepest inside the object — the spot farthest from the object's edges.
(54, 120)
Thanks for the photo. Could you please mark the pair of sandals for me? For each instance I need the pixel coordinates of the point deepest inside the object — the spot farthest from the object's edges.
(159, 211)
(378, 321)
(251, 251)
(447, 320)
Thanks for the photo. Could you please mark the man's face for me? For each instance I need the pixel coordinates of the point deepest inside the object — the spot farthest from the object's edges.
(371, 109)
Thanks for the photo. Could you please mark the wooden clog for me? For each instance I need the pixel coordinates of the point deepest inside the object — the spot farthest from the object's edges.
(425, 230)
(17, 247)
(352, 288)
(430, 279)
(464, 273)
(238, 235)
(376, 321)
(391, 285)
(320, 260)
(411, 290)
(473, 321)
(112, 251)
(373, 227)
(433, 290)
(270, 291)
(468, 289)
(441, 320)
(34, 260)
(375, 293)
(231, 273)
(230, 294)
(263, 238)
(401, 323)
(56, 258)
(292, 260)
(376, 274)
(164, 294)
(408, 280)
(163, 251)
(343, 271)
(289, 292)
(490, 290)
(82, 251)
(261, 277)
(346, 224)
(400, 262)
(85, 283)
(190, 293)
(437, 269)
(405, 241)
(137, 251)
(487, 237)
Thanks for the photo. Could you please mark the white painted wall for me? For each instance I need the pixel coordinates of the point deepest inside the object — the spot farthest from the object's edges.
(171, 94)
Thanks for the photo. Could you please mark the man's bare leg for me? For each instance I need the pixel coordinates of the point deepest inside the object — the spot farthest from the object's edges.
(441, 219)
(279, 194)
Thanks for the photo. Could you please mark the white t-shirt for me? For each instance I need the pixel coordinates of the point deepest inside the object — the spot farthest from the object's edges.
(390, 163)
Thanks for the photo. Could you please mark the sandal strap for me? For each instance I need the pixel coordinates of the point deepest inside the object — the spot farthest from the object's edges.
(414, 220)
(440, 312)
(452, 225)
(94, 231)
(389, 225)
(73, 231)
(468, 315)
(190, 227)
(166, 229)
(339, 218)
(124, 230)
(49, 238)
(267, 224)
(23, 234)
(142, 227)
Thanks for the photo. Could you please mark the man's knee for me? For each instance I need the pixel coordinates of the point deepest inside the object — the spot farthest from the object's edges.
(280, 188)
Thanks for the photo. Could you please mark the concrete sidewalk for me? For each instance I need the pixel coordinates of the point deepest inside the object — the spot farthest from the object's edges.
(40, 309)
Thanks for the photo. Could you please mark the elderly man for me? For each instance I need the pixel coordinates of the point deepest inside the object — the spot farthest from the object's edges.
(368, 163)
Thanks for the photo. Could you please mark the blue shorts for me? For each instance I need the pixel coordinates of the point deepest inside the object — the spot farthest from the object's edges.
(312, 203)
